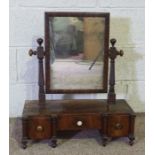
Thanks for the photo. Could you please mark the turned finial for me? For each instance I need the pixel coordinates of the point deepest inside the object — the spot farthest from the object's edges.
(113, 41)
(37, 52)
(121, 53)
(31, 52)
(113, 52)
(39, 41)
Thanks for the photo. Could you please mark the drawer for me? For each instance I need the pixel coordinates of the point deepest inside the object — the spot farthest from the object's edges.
(39, 127)
(118, 125)
(77, 122)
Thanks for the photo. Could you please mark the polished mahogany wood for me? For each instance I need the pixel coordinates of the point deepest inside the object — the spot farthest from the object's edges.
(79, 122)
(39, 127)
(40, 55)
(81, 106)
(24, 133)
(118, 125)
(54, 127)
(112, 120)
(113, 52)
(31, 107)
(131, 130)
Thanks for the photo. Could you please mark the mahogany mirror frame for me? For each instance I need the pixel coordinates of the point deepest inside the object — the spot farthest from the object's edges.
(47, 52)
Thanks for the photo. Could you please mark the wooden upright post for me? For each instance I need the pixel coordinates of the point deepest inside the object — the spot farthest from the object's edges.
(40, 55)
(112, 55)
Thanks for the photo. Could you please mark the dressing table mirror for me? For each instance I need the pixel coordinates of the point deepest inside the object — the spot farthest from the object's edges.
(76, 46)
(76, 62)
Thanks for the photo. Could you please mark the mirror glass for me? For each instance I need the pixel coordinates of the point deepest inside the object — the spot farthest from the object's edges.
(76, 51)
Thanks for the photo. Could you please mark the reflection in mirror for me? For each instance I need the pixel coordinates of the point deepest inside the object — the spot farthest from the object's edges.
(76, 52)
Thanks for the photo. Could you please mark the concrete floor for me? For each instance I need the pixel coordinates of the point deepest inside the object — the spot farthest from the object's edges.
(83, 143)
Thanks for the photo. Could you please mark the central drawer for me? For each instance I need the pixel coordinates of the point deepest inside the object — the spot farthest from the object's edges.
(77, 121)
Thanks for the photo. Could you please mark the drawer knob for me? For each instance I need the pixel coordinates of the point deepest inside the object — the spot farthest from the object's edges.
(118, 126)
(79, 123)
(39, 128)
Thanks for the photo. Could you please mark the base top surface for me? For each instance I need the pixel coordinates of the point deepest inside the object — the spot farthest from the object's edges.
(51, 107)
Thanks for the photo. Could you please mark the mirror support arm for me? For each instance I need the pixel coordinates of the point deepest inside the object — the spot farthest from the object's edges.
(40, 55)
(113, 53)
